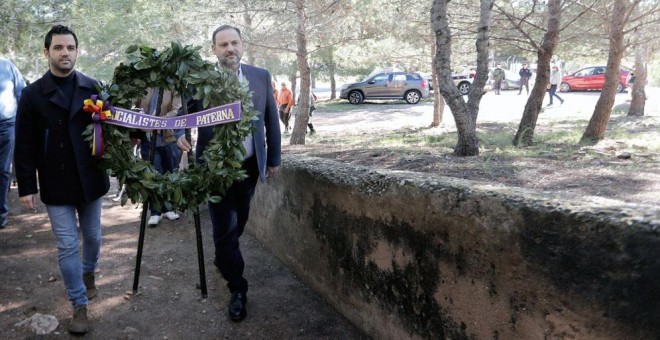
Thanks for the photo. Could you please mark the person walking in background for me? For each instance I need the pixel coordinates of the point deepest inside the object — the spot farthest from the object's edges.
(50, 146)
(525, 73)
(555, 80)
(498, 75)
(11, 86)
(276, 93)
(262, 160)
(630, 82)
(312, 108)
(166, 154)
(285, 104)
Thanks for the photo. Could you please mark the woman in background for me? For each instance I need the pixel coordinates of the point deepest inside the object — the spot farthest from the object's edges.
(555, 80)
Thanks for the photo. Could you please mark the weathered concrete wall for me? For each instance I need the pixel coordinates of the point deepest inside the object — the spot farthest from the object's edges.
(405, 255)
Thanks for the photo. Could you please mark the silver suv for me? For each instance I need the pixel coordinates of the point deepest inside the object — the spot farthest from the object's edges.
(387, 85)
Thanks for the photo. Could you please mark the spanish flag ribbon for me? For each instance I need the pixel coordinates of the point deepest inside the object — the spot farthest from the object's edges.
(95, 106)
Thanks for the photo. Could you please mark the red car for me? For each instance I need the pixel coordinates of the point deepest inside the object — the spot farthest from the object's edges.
(590, 78)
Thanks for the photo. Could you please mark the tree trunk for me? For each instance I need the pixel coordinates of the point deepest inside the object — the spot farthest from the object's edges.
(438, 100)
(465, 114)
(302, 111)
(598, 124)
(293, 79)
(247, 31)
(333, 70)
(525, 133)
(638, 101)
(333, 82)
(482, 46)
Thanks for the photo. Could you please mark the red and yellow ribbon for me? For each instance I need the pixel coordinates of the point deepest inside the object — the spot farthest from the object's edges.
(95, 106)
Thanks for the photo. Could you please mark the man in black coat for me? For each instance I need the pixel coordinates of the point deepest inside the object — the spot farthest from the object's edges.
(262, 160)
(49, 142)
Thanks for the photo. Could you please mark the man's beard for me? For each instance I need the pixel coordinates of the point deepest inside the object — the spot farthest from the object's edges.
(226, 62)
(64, 69)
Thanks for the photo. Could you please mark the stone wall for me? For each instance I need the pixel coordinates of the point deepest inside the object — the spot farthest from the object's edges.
(407, 255)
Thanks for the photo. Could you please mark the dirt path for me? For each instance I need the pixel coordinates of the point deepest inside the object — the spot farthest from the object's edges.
(168, 304)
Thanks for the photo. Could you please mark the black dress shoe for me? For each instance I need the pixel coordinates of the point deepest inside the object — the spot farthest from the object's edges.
(236, 309)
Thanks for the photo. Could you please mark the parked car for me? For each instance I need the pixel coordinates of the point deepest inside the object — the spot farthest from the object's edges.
(429, 80)
(410, 87)
(590, 78)
(463, 81)
(511, 81)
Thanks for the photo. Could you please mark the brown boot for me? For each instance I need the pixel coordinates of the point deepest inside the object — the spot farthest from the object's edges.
(88, 279)
(79, 323)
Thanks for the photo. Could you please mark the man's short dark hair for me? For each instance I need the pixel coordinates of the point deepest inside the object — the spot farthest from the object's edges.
(225, 27)
(59, 30)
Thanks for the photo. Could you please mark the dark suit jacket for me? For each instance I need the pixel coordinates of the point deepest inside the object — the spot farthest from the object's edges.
(49, 141)
(266, 137)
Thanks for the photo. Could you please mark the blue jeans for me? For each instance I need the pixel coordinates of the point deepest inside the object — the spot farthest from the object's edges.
(6, 155)
(63, 221)
(553, 93)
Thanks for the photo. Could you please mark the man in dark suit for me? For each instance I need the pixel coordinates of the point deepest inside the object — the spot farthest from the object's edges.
(49, 126)
(262, 160)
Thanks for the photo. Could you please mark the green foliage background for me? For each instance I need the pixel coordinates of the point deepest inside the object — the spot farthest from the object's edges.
(345, 37)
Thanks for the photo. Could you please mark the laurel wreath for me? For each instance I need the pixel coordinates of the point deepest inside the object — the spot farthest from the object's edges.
(183, 70)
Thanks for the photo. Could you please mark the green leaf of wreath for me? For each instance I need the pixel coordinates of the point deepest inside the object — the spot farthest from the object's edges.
(183, 70)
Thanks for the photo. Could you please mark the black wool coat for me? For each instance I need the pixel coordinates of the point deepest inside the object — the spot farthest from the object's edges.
(49, 143)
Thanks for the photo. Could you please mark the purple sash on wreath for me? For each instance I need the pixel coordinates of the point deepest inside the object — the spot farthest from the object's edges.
(223, 114)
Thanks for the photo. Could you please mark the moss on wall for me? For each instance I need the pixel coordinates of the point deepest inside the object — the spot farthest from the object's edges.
(406, 291)
(616, 268)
